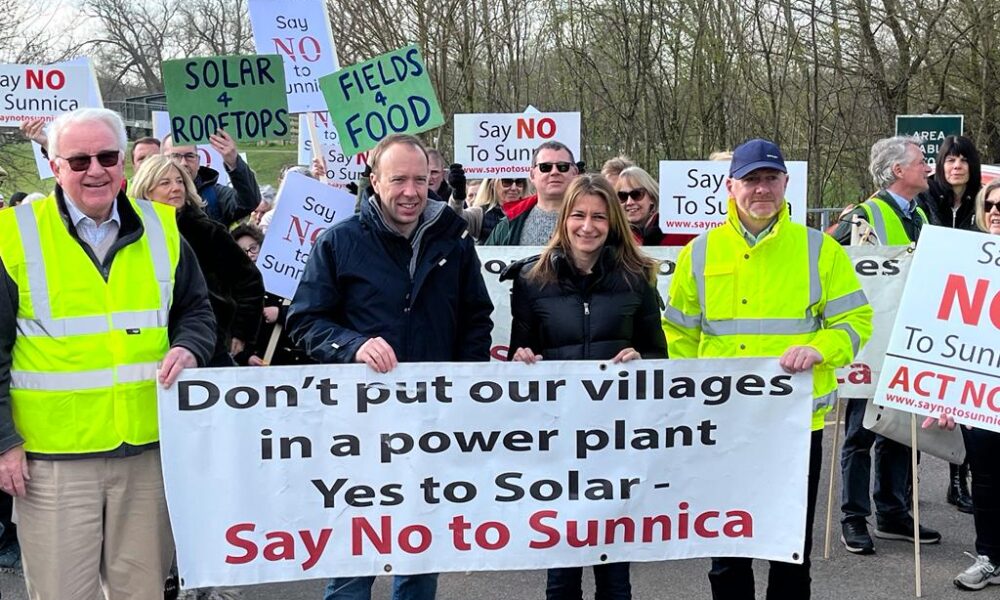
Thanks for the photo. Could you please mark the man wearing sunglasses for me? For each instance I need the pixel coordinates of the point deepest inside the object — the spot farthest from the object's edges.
(532, 221)
(224, 204)
(96, 291)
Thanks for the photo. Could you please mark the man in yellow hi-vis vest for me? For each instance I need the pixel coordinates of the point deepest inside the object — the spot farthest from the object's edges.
(898, 168)
(96, 291)
(760, 285)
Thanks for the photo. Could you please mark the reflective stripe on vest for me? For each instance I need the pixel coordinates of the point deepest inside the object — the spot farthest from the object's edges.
(807, 324)
(873, 207)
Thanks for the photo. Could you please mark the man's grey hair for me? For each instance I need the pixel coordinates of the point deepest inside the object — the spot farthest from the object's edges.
(86, 115)
(886, 154)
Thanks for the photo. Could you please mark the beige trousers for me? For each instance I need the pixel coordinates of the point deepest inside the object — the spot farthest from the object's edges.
(95, 523)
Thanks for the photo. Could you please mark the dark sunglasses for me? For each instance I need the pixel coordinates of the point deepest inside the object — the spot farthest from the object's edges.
(107, 158)
(563, 167)
(989, 205)
(635, 195)
(509, 182)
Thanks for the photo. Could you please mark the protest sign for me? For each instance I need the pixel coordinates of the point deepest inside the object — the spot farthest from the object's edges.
(93, 99)
(693, 196)
(391, 93)
(340, 168)
(245, 95)
(489, 144)
(306, 208)
(208, 156)
(317, 471)
(300, 32)
(931, 129)
(882, 272)
(43, 91)
(943, 355)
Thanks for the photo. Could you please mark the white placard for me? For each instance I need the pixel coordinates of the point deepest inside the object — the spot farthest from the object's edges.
(207, 154)
(306, 208)
(286, 473)
(94, 95)
(43, 91)
(881, 271)
(943, 354)
(340, 168)
(502, 144)
(300, 32)
(693, 196)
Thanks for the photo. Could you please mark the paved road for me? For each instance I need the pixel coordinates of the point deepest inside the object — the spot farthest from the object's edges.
(887, 575)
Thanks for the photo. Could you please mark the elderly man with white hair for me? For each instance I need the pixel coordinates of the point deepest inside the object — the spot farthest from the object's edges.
(97, 291)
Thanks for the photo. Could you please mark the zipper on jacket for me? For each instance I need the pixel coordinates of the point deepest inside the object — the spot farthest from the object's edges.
(586, 329)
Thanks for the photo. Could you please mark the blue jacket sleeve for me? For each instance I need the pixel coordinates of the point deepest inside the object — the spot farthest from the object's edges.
(318, 299)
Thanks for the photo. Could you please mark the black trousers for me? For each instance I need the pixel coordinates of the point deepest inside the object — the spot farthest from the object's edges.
(983, 450)
(732, 578)
(8, 531)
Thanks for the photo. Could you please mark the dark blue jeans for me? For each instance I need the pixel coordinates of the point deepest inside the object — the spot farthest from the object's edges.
(404, 587)
(611, 582)
(732, 578)
(983, 449)
(892, 470)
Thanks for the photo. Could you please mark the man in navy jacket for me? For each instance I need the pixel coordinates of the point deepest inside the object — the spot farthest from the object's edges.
(401, 282)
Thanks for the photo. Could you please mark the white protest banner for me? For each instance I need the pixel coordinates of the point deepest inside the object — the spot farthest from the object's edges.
(493, 144)
(94, 99)
(43, 91)
(299, 31)
(693, 196)
(208, 155)
(943, 354)
(340, 168)
(306, 208)
(291, 473)
(882, 272)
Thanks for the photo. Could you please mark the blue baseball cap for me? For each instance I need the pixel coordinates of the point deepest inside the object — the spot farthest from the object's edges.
(756, 154)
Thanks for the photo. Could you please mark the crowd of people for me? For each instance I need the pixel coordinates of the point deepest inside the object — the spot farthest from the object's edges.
(109, 288)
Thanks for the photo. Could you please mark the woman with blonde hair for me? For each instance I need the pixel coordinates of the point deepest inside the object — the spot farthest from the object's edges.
(235, 287)
(590, 295)
(486, 209)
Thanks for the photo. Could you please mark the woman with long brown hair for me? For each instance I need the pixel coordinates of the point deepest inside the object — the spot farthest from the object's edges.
(590, 295)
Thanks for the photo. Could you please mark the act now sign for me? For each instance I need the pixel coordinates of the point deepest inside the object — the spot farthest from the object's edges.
(503, 143)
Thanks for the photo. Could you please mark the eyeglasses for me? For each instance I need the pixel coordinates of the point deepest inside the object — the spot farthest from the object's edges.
(183, 155)
(509, 182)
(635, 195)
(546, 167)
(252, 249)
(989, 205)
(107, 158)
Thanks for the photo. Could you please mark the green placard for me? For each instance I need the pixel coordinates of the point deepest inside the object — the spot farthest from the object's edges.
(244, 95)
(931, 129)
(391, 93)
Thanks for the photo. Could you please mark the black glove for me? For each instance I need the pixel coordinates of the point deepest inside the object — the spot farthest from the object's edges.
(352, 187)
(456, 179)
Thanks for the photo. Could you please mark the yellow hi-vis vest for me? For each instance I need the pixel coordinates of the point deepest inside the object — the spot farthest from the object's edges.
(884, 220)
(796, 286)
(83, 377)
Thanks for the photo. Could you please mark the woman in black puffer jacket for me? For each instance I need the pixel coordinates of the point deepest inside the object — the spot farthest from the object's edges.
(950, 198)
(235, 287)
(591, 295)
